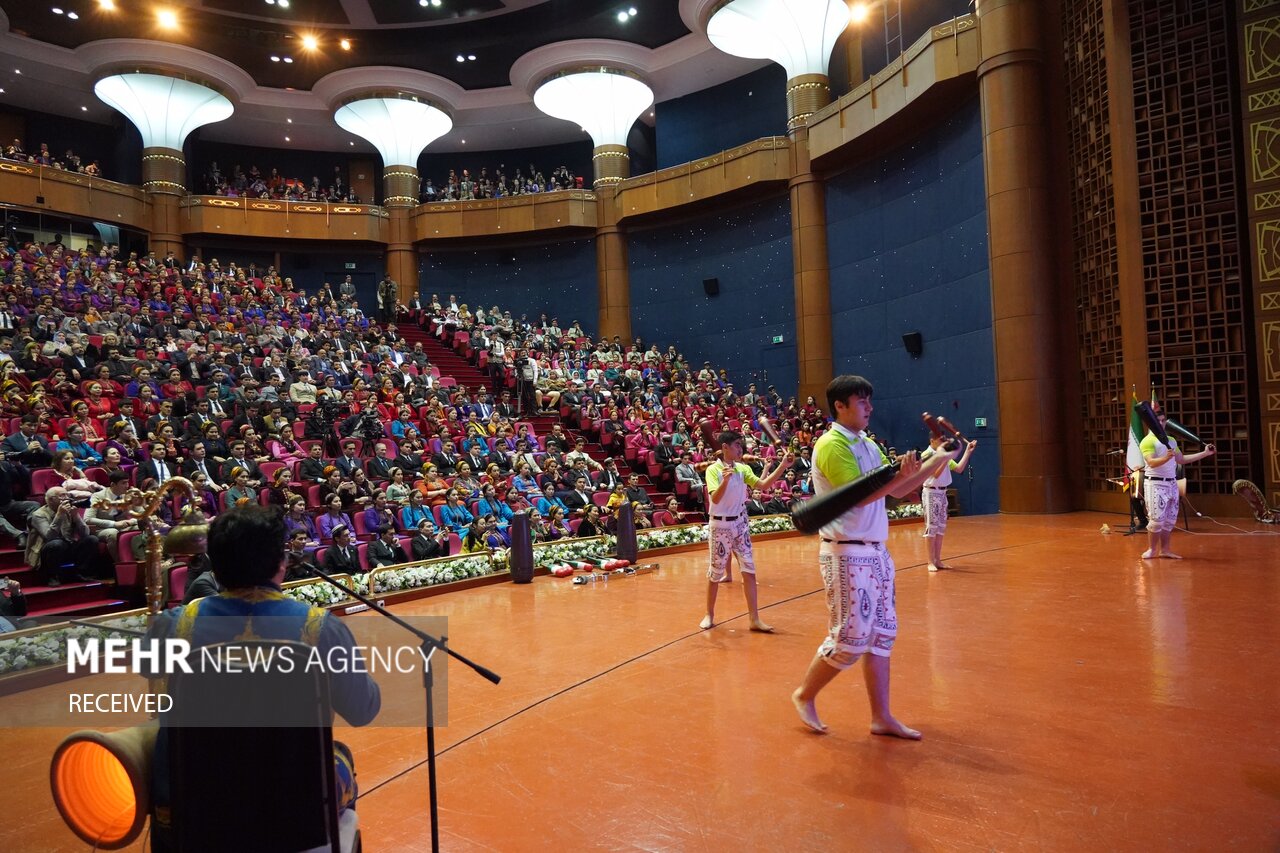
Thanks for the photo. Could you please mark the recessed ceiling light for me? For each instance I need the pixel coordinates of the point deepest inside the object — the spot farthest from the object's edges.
(464, 142)
(435, 3)
(271, 2)
(422, 2)
(17, 71)
(623, 17)
(310, 42)
(471, 57)
(73, 16)
(106, 5)
(859, 13)
(632, 11)
(288, 60)
(288, 121)
(84, 109)
(349, 143)
(275, 59)
(167, 18)
(286, 139)
(56, 10)
(283, 4)
(1, 91)
(345, 44)
(461, 58)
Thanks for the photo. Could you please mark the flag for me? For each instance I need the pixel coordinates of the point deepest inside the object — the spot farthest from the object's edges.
(1133, 454)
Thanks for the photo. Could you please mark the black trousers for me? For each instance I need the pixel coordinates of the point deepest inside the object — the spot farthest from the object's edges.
(60, 558)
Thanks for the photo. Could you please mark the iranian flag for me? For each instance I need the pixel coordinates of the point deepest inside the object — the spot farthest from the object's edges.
(1133, 454)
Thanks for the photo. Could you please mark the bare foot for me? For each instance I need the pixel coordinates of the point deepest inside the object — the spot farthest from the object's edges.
(707, 622)
(892, 728)
(808, 713)
(944, 566)
(1169, 555)
(1149, 554)
(757, 625)
(933, 567)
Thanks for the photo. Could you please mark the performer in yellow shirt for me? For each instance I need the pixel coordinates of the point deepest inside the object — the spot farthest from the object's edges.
(1160, 489)
(856, 567)
(728, 530)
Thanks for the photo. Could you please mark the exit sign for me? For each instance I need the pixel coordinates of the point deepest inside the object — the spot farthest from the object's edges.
(350, 266)
(777, 339)
(980, 423)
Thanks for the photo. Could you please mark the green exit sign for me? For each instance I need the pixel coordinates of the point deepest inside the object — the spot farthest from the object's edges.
(980, 423)
(777, 339)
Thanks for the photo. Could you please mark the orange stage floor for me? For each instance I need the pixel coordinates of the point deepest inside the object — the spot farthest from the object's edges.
(1071, 698)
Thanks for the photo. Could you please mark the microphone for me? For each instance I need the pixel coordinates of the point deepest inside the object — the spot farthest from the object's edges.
(1115, 452)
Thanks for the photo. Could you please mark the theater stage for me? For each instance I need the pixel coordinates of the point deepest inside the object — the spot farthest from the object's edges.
(1070, 696)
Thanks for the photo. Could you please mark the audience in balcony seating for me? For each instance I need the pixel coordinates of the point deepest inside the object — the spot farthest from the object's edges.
(468, 187)
(42, 156)
(254, 184)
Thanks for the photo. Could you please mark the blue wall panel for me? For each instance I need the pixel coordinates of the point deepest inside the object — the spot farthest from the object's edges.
(908, 252)
(731, 114)
(749, 251)
(557, 278)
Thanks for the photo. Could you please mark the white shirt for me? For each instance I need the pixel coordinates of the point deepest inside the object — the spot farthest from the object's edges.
(868, 523)
(734, 498)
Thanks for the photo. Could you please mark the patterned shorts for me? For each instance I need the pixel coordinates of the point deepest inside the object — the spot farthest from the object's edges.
(860, 602)
(935, 511)
(1161, 498)
(726, 540)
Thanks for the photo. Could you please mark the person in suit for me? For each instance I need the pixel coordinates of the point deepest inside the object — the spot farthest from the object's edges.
(311, 470)
(159, 467)
(755, 504)
(446, 460)
(579, 498)
(478, 455)
(429, 543)
(239, 458)
(504, 406)
(27, 449)
(198, 461)
(379, 467)
(341, 556)
(607, 477)
(386, 550)
(686, 473)
(201, 581)
(348, 461)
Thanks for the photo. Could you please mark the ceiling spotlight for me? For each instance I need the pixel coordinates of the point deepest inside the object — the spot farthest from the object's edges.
(345, 44)
(623, 17)
(310, 42)
(288, 121)
(275, 59)
(859, 13)
(107, 5)
(73, 16)
(56, 10)
(283, 4)
(84, 109)
(471, 57)
(422, 2)
(1, 91)
(632, 11)
(349, 143)
(17, 71)
(436, 3)
(286, 139)
(271, 2)
(464, 142)
(167, 18)
(460, 58)
(288, 60)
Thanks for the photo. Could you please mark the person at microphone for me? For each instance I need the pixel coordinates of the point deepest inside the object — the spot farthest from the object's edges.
(728, 528)
(247, 552)
(934, 497)
(1160, 488)
(856, 567)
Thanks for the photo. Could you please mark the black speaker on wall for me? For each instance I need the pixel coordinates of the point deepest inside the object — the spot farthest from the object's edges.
(914, 342)
(711, 286)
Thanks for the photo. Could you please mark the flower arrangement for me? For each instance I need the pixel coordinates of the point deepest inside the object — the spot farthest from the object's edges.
(49, 648)
(906, 510)
(317, 594)
(693, 534)
(545, 553)
(431, 573)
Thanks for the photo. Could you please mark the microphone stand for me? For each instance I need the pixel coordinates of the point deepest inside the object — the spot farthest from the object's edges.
(430, 645)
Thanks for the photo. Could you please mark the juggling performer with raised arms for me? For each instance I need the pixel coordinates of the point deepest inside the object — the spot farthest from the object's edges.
(1160, 483)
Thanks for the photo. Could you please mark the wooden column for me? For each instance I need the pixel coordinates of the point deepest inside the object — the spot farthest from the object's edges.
(810, 266)
(400, 186)
(611, 164)
(1023, 273)
(613, 279)
(164, 177)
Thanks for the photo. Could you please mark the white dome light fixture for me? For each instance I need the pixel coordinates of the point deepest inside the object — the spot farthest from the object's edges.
(165, 109)
(799, 35)
(400, 126)
(605, 102)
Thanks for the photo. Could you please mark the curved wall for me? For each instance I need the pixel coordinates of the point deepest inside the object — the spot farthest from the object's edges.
(908, 252)
(556, 278)
(749, 250)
